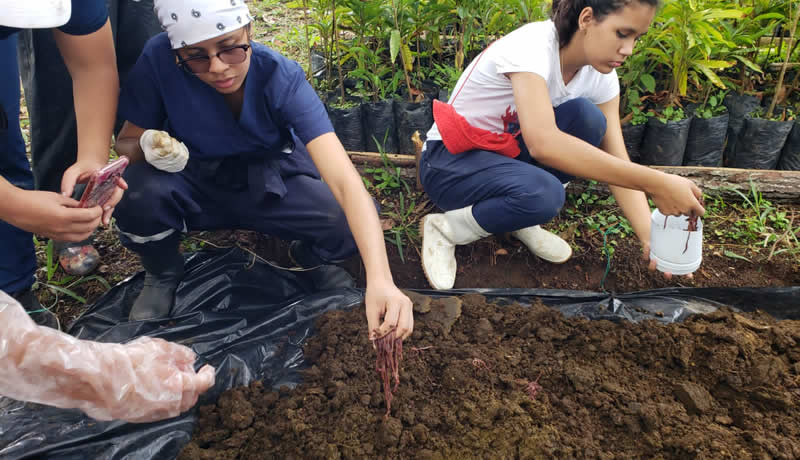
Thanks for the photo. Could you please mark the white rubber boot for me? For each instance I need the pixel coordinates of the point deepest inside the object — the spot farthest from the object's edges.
(544, 244)
(440, 235)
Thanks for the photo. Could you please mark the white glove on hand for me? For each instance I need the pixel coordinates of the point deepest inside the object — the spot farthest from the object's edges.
(142, 381)
(163, 151)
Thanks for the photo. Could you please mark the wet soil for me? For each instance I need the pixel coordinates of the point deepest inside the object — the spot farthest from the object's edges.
(482, 381)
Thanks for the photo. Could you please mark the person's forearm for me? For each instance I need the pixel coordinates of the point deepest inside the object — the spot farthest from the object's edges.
(7, 193)
(635, 208)
(96, 92)
(365, 225)
(92, 64)
(36, 361)
(632, 202)
(574, 156)
(345, 183)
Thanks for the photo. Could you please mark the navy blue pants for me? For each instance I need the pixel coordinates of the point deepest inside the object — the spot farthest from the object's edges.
(158, 204)
(17, 257)
(507, 194)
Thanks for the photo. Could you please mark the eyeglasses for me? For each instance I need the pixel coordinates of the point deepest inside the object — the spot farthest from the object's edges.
(201, 64)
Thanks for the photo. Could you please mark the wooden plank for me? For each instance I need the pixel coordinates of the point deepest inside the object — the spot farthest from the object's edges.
(375, 159)
(775, 185)
(778, 65)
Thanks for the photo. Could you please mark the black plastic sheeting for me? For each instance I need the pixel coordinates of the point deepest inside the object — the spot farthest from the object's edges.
(411, 117)
(760, 143)
(380, 127)
(706, 141)
(664, 144)
(250, 320)
(790, 157)
(633, 135)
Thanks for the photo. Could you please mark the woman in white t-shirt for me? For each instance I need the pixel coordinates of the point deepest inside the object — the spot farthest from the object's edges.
(554, 82)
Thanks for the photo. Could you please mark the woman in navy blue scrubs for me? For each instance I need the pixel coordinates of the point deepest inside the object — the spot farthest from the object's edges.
(235, 137)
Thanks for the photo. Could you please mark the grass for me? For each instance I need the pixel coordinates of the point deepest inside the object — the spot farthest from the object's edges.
(751, 229)
(755, 222)
(281, 28)
(398, 200)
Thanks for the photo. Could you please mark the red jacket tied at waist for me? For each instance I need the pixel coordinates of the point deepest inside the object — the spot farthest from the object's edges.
(459, 136)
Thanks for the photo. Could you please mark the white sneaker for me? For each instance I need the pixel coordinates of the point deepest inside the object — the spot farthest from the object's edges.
(440, 234)
(544, 244)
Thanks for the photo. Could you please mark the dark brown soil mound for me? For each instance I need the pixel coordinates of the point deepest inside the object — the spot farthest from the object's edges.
(482, 381)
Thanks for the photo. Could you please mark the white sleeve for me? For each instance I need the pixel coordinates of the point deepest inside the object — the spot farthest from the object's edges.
(511, 54)
(607, 88)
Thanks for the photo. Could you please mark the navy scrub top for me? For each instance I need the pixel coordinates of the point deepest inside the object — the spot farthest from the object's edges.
(88, 16)
(280, 108)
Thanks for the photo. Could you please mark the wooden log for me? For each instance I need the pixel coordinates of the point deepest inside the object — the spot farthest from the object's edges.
(774, 185)
(375, 159)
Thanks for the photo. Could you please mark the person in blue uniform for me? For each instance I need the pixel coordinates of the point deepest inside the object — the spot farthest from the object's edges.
(235, 137)
(84, 40)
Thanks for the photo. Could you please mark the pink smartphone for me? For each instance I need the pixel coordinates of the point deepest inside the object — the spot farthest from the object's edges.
(102, 184)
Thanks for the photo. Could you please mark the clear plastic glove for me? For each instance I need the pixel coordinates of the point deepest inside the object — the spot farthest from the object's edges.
(163, 151)
(141, 381)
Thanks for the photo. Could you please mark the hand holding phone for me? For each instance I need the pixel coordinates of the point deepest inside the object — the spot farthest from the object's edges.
(103, 183)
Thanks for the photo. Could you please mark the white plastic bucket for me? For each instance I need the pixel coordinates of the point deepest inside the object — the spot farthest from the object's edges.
(669, 247)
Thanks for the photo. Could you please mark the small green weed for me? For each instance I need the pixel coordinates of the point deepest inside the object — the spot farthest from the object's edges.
(386, 178)
(405, 226)
(712, 106)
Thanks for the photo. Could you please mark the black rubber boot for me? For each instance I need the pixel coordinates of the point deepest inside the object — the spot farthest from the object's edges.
(163, 266)
(39, 315)
(324, 275)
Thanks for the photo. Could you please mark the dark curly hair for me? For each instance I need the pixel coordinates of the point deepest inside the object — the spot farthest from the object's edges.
(565, 13)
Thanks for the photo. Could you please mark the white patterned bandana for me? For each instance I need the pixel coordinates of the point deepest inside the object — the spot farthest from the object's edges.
(191, 21)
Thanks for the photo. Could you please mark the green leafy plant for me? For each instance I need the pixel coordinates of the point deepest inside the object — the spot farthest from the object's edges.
(712, 106)
(787, 113)
(688, 44)
(635, 111)
(404, 228)
(399, 38)
(670, 113)
(446, 76)
(387, 177)
(758, 219)
(371, 71)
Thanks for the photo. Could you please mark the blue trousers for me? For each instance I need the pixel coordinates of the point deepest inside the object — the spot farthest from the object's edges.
(507, 194)
(158, 204)
(17, 256)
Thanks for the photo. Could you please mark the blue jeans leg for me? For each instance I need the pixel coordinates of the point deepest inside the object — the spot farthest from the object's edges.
(17, 256)
(507, 194)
